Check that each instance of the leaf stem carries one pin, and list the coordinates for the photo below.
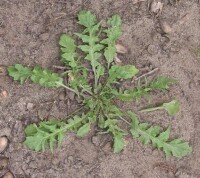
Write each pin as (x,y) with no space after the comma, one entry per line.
(87,90)
(125,120)
(152,109)
(68,88)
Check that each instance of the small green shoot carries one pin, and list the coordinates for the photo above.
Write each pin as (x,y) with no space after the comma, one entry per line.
(197,52)
(172,108)
(98,95)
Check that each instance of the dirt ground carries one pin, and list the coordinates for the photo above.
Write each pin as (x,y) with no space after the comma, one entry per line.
(29,33)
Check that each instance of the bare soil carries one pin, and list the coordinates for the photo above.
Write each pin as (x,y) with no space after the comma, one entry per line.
(29,33)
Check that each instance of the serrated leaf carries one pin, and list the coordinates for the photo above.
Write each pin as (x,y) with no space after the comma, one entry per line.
(51,143)
(60,138)
(30,129)
(100,70)
(45,77)
(68,43)
(162,83)
(118,143)
(109,53)
(87,19)
(152,134)
(68,49)
(48,133)
(84,48)
(180,148)
(87,38)
(18,72)
(114,21)
(122,72)
(83,130)
(113,32)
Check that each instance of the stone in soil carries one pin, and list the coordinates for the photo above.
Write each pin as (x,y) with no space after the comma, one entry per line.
(3,143)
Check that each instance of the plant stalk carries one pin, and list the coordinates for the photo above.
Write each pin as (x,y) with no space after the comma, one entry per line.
(151,109)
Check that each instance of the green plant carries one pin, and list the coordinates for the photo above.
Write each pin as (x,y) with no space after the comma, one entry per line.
(98,49)
(197,52)
(172,108)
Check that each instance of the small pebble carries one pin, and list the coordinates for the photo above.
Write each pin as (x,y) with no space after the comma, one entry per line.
(3,163)
(43,114)
(3,143)
(8,175)
(156,7)
(44,36)
(62,96)
(121,49)
(96,140)
(71,95)
(30,106)
(2,32)
(3,70)
(165,27)
(4,94)
(117,61)
(107,147)
(152,49)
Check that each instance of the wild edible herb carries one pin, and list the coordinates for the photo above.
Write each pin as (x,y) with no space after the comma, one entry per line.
(97,96)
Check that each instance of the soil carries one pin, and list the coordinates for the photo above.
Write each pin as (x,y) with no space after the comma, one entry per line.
(29,33)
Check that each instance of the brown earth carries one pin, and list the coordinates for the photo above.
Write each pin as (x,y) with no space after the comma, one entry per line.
(29,33)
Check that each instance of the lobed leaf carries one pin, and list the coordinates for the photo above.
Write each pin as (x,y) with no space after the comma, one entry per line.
(117,132)
(122,72)
(68,49)
(38,75)
(87,19)
(48,133)
(152,134)
(83,130)
(162,83)
(45,77)
(113,33)
(118,143)
(18,72)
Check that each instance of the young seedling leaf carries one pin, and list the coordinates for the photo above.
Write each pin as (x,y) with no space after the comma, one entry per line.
(118,143)
(20,73)
(122,72)
(31,130)
(113,33)
(83,130)
(172,108)
(45,77)
(87,19)
(68,49)
(162,83)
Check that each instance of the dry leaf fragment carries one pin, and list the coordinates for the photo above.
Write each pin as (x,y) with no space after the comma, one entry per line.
(71,76)
(121,49)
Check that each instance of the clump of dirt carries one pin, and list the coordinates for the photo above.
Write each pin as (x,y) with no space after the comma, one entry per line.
(29,33)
